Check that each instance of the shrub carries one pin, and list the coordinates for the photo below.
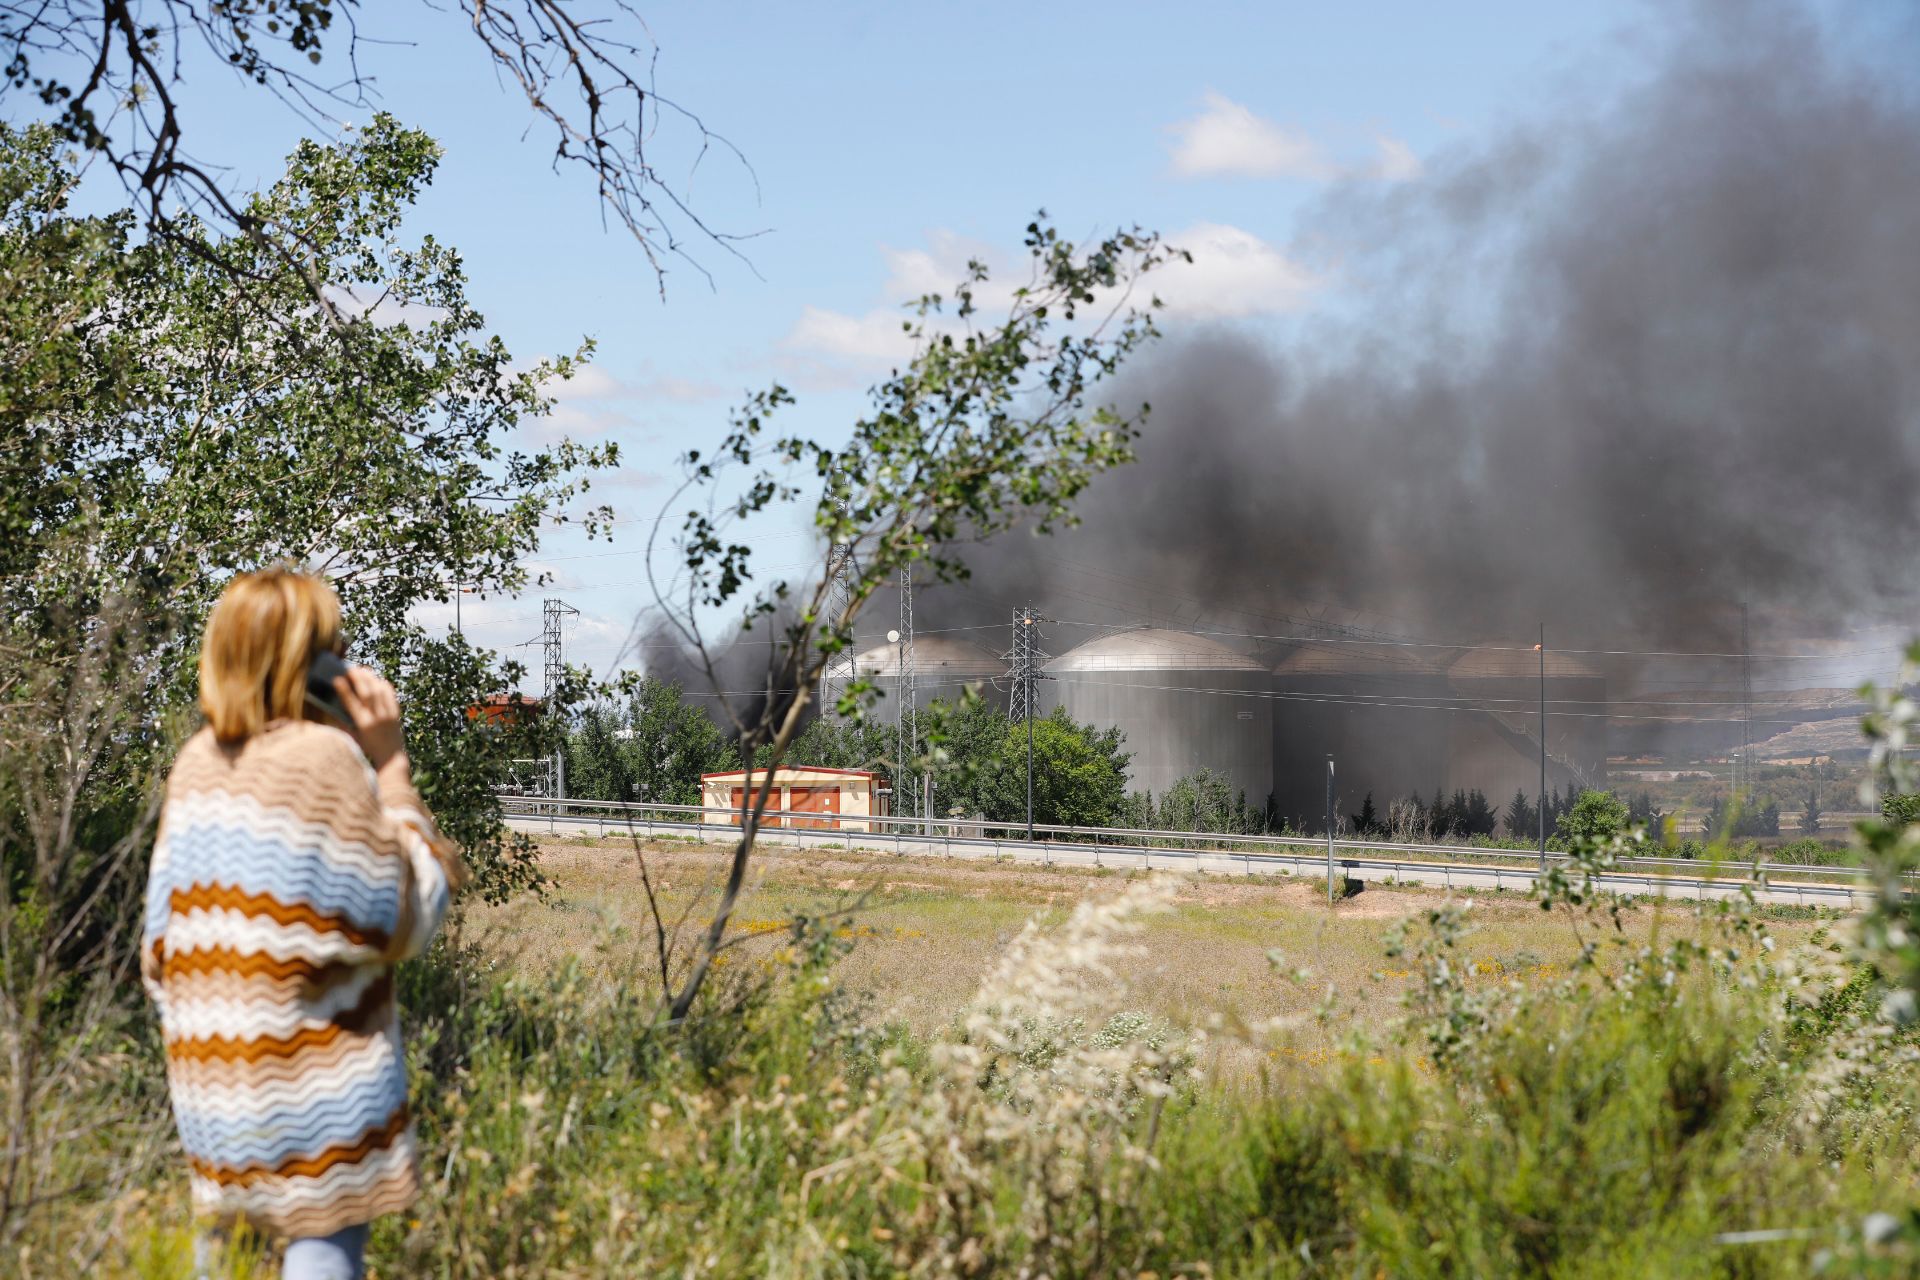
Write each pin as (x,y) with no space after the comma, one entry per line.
(1596,815)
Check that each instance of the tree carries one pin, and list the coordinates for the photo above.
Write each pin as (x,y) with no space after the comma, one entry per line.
(1811,813)
(650,747)
(1203,801)
(1641,813)
(966,746)
(1367,821)
(1900,808)
(1448,815)
(986,427)
(1522,818)
(178,411)
(109,79)
(1079,774)
(215,427)
(1593,815)
(1479,819)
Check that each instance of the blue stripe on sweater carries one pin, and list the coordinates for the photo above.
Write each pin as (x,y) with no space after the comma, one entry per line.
(276,1134)
(253,864)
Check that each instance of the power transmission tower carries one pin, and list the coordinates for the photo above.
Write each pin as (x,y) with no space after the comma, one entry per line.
(1026,659)
(838,672)
(553,643)
(907,685)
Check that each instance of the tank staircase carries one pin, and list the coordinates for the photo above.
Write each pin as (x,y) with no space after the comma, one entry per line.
(1525,740)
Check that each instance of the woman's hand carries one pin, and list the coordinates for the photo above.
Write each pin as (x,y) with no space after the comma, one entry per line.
(374,708)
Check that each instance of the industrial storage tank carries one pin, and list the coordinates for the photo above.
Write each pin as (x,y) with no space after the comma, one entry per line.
(1185,702)
(942,665)
(1499,745)
(1382,710)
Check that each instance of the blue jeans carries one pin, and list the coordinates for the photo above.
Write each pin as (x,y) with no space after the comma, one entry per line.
(334,1257)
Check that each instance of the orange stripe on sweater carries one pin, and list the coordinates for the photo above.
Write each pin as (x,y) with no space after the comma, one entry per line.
(208,961)
(307,1166)
(266,906)
(361,1017)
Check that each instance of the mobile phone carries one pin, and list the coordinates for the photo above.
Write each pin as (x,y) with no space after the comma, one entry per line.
(327,667)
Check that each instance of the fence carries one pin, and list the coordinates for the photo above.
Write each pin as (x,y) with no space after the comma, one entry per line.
(1467,865)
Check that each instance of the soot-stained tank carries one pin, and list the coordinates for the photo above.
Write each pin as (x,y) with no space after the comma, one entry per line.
(1185,702)
(1383,711)
(1497,748)
(942,665)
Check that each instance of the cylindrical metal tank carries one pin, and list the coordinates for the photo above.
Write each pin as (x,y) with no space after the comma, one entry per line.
(942,665)
(1497,749)
(1185,702)
(1381,710)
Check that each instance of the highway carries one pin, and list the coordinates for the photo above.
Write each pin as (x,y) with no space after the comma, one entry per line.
(1364,861)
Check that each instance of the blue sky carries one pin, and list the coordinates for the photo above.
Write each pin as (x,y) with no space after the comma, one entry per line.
(891,142)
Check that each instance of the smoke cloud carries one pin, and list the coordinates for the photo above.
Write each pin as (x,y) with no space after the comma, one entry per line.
(1643,357)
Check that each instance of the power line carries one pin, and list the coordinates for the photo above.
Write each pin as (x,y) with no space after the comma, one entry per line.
(1354,700)
(1484,648)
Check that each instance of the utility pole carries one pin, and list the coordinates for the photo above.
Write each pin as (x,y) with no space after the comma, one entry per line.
(1542,647)
(1329,830)
(1745,772)
(459,591)
(1026,658)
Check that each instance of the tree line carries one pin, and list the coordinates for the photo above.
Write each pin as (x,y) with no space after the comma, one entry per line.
(647,742)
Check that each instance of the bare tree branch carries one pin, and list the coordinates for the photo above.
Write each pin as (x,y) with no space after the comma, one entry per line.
(109,76)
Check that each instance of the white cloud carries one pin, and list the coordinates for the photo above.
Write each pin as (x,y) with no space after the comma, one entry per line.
(873,338)
(592,382)
(1227,139)
(1233,273)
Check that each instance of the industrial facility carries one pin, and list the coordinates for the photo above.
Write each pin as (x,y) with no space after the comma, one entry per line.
(1185,702)
(1398,717)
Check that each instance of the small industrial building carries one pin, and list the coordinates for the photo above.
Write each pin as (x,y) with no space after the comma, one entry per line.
(803,796)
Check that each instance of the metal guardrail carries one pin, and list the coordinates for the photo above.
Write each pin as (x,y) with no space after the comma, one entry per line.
(947,837)
(1133,837)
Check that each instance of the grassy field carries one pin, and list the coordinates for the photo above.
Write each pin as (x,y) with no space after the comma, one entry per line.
(925,931)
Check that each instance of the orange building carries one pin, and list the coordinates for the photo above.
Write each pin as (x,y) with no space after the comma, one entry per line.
(504,709)
(803,796)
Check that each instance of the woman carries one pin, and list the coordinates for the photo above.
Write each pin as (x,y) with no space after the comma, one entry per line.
(295,866)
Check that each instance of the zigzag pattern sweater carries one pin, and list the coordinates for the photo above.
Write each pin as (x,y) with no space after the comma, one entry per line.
(284,887)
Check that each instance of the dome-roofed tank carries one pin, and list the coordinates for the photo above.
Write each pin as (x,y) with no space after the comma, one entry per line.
(942,667)
(1185,702)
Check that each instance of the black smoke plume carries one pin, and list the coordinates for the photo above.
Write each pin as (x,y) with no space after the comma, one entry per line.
(1651,353)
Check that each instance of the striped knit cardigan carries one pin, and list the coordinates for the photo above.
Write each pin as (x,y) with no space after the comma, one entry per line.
(284,888)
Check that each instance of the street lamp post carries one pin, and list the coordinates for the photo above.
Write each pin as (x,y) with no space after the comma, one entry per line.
(1329,830)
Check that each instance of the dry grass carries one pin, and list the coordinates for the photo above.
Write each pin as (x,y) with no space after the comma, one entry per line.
(927,930)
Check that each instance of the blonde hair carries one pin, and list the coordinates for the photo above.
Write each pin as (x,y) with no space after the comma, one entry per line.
(263,634)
